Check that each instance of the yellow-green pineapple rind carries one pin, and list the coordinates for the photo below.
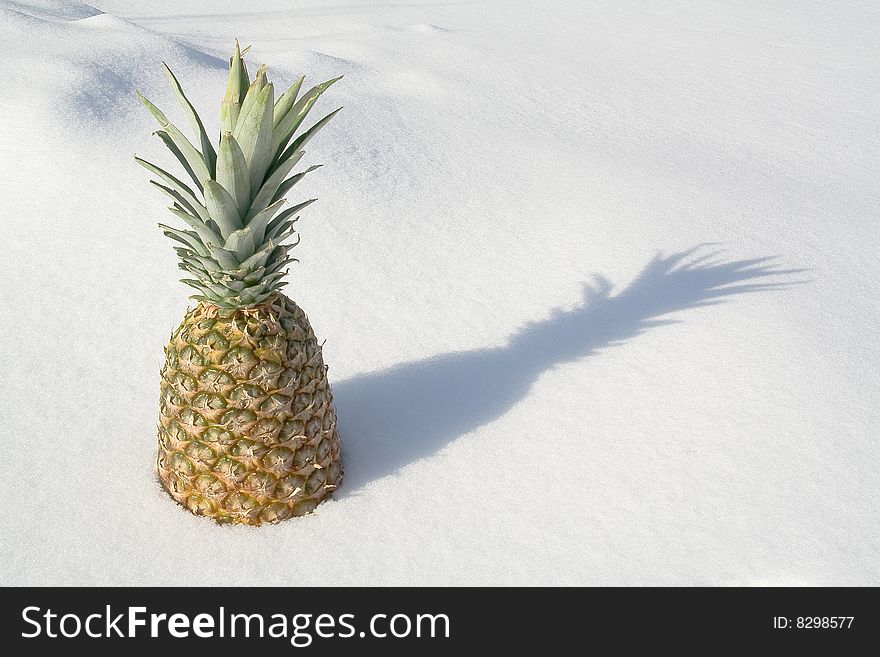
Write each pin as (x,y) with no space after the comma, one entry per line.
(247,429)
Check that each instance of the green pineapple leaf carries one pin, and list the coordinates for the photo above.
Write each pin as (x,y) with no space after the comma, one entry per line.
(276,267)
(173,182)
(267,192)
(255,276)
(204,232)
(296,115)
(187,237)
(194,161)
(195,208)
(273,231)
(259,222)
(236,88)
(166,139)
(232,172)
(224,258)
(288,184)
(299,143)
(252,92)
(222,208)
(259,258)
(208,153)
(241,242)
(254,134)
(283,104)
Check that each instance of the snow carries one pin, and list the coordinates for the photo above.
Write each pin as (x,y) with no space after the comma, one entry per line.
(598,283)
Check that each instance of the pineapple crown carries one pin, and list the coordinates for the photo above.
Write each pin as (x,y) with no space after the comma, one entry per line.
(234,246)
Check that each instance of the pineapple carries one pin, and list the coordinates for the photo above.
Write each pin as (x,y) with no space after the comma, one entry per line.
(247,427)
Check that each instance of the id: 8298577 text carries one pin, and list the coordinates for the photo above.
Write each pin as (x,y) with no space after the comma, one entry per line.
(813,622)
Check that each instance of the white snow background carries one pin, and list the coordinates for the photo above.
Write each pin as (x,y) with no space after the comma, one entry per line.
(598,283)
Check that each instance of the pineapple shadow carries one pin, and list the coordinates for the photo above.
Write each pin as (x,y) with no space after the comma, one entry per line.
(392,417)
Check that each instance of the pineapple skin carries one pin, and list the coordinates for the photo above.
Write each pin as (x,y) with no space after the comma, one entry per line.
(247,426)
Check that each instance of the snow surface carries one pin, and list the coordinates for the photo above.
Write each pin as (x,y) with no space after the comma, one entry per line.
(598,281)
